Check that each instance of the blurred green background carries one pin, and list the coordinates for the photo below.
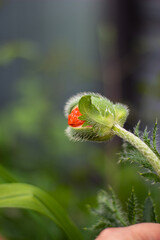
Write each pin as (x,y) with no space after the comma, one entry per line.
(49,51)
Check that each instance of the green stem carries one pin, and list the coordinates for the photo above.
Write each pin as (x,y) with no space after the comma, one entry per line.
(140,145)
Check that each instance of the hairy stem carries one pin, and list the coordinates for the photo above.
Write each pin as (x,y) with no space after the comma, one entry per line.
(140,145)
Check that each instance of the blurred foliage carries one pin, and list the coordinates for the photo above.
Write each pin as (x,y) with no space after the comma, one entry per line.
(17,49)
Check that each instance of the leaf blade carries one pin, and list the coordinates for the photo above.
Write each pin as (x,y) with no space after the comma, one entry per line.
(134,211)
(151,176)
(149,214)
(26,196)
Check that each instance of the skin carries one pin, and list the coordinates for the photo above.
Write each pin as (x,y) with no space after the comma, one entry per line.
(141,231)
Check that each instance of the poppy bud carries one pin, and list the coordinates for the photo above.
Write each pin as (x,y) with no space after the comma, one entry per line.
(92,116)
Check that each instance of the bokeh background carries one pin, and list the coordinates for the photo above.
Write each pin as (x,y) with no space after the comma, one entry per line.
(49,51)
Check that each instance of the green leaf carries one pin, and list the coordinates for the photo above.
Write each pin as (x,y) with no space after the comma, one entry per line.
(151,176)
(7,177)
(120,215)
(136,129)
(109,209)
(146,138)
(19,195)
(98,227)
(133,209)
(134,156)
(154,135)
(149,214)
(154,140)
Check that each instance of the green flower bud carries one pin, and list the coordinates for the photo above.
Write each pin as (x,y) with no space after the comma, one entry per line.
(92,117)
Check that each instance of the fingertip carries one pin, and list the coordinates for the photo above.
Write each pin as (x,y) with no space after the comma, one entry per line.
(141,231)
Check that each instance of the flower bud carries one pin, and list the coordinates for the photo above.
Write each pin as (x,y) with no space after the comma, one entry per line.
(92,117)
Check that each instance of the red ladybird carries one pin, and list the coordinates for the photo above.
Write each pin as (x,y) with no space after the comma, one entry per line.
(73,120)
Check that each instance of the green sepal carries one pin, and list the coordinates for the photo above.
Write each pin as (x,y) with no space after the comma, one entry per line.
(84,134)
(103,105)
(71,103)
(121,114)
(89,112)
(85,124)
(102,121)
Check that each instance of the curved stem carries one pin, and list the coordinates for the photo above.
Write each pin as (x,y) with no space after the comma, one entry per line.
(140,145)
